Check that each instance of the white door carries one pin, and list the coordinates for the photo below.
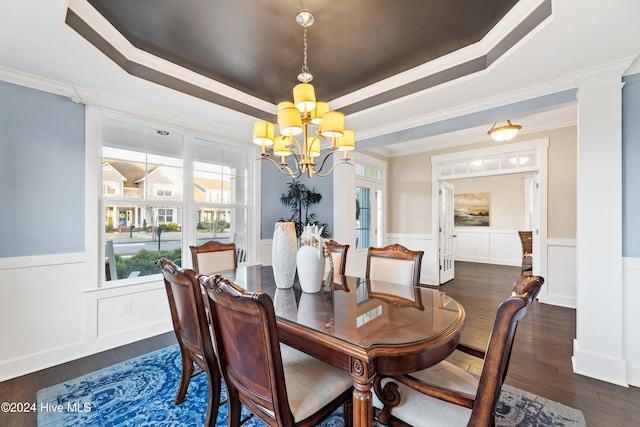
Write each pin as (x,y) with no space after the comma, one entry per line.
(446,236)
(532,216)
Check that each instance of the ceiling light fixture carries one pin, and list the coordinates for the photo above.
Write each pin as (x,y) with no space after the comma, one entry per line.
(295,118)
(504,133)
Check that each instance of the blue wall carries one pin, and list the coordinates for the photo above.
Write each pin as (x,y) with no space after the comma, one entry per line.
(41,173)
(274,184)
(631,166)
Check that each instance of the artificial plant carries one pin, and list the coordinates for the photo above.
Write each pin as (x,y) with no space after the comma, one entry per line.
(299,198)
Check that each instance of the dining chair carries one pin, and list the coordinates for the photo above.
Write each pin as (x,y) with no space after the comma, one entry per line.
(446,395)
(214,257)
(279,384)
(526,241)
(190,324)
(395,264)
(338,255)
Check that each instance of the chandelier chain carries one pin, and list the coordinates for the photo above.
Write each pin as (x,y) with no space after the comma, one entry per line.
(305,69)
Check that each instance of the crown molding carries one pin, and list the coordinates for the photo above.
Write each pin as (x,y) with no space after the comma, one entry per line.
(536,91)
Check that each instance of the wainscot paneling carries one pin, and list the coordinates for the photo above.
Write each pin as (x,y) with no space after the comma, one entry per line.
(487,245)
(631,338)
(51,316)
(560,279)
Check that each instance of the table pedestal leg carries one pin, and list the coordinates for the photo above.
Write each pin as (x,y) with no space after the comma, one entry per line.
(362,404)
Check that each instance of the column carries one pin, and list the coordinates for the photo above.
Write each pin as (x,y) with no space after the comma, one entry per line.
(598,347)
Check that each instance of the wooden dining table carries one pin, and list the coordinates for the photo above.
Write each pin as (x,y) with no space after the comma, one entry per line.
(365,327)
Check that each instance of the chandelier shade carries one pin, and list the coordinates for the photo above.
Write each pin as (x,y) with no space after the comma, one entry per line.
(289,121)
(281,146)
(263,133)
(347,141)
(317,114)
(332,124)
(320,129)
(304,97)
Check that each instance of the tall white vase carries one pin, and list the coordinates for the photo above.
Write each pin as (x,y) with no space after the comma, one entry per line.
(310,268)
(283,254)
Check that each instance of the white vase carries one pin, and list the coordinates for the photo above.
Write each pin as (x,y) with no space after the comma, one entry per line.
(283,254)
(310,262)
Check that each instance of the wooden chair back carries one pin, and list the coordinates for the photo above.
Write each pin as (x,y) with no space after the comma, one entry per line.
(339,254)
(395,264)
(251,360)
(498,353)
(191,327)
(526,241)
(249,348)
(454,387)
(214,257)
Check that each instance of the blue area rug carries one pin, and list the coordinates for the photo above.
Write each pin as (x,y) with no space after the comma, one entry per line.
(140,392)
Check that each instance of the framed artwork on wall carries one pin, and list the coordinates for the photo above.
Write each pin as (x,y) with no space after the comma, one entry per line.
(471,210)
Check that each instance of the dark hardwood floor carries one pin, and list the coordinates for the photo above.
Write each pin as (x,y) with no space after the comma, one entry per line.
(540,363)
(541,358)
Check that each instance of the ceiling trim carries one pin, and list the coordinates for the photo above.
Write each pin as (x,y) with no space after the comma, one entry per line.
(111,49)
(510,98)
(479,63)
(93,27)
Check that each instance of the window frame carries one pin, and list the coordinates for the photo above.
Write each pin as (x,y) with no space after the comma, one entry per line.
(95,231)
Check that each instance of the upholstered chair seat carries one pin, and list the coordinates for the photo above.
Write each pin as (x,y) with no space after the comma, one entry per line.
(415,404)
(311,383)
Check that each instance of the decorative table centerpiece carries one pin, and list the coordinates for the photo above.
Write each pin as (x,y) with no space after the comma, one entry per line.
(283,255)
(311,259)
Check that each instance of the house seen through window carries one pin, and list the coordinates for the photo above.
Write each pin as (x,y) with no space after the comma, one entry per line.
(145,196)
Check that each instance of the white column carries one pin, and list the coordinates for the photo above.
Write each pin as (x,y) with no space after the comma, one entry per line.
(598,347)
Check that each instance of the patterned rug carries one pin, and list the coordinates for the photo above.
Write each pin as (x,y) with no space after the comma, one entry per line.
(140,392)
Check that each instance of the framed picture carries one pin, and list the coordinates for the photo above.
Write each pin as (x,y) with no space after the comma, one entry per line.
(471,210)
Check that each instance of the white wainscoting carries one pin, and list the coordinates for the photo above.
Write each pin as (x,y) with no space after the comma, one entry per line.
(631,295)
(51,317)
(560,287)
(487,245)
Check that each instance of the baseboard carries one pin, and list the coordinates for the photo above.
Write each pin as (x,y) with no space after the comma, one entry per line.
(484,260)
(633,375)
(55,356)
(562,301)
(598,366)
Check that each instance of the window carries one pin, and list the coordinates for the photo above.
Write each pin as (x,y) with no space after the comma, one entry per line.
(146,192)
(363,217)
(220,192)
(163,190)
(110,188)
(369,203)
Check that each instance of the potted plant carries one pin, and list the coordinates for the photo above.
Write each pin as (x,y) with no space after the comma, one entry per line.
(299,198)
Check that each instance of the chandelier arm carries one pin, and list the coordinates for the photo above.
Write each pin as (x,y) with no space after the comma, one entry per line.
(300,150)
(343,162)
(286,170)
(324,160)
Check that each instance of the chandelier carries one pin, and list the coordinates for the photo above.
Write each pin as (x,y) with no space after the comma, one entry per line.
(504,133)
(307,127)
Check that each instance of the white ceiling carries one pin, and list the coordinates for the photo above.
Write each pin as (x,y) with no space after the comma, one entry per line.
(39,50)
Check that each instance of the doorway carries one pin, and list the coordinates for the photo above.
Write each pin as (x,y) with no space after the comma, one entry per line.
(525,157)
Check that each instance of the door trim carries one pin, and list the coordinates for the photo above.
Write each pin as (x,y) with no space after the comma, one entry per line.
(540,146)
